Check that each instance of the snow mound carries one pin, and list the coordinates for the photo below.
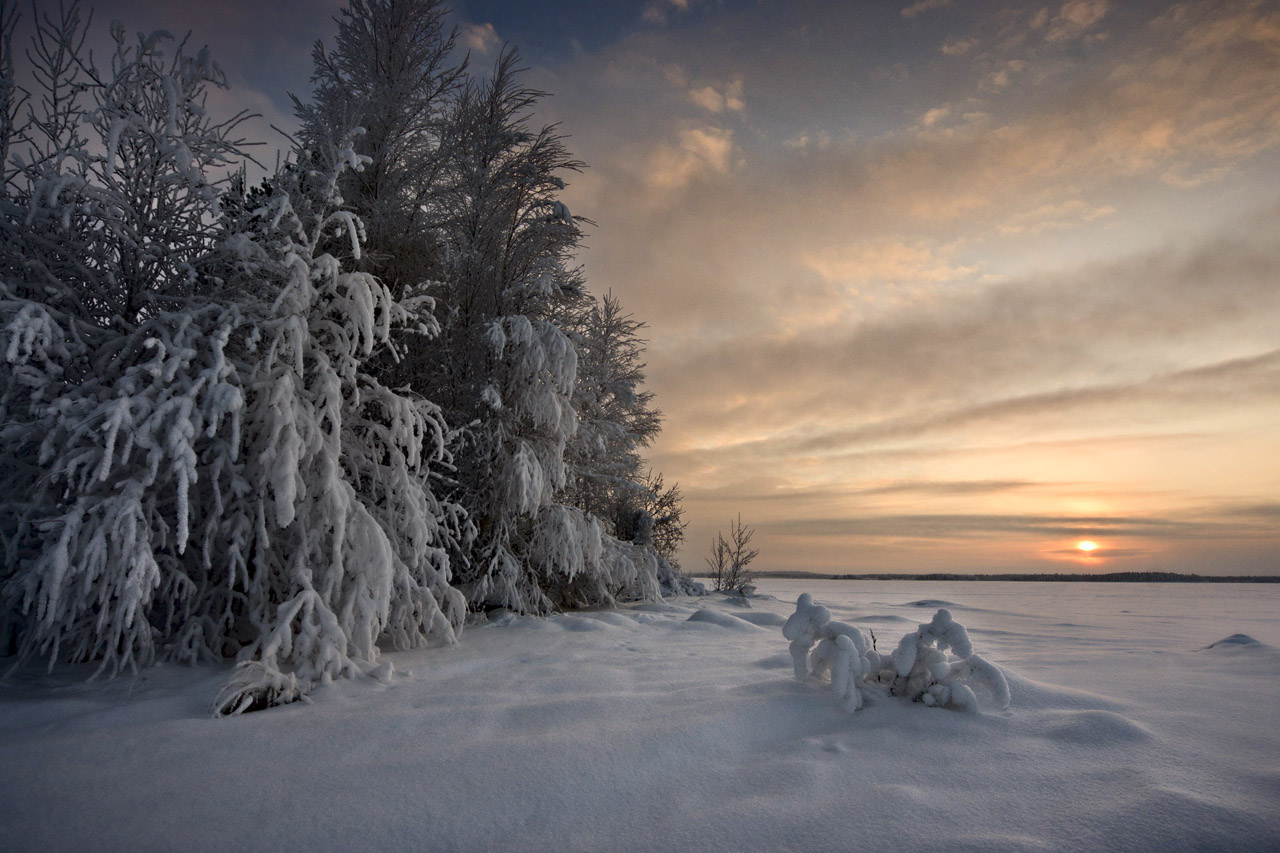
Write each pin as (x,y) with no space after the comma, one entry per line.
(1234,640)
(721,620)
(764,619)
(1038,696)
(1093,728)
(580,623)
(659,607)
(610,617)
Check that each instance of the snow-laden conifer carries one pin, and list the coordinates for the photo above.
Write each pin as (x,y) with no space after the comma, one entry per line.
(616,421)
(390,71)
(460,199)
(512,367)
(120,403)
(197,462)
(349,545)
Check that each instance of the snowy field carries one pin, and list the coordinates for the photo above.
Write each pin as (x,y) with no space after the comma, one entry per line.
(639,729)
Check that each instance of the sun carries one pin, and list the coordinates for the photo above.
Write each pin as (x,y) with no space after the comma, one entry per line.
(1087,546)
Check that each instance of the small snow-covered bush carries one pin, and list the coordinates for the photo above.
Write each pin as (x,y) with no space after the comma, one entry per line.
(922,671)
(919,669)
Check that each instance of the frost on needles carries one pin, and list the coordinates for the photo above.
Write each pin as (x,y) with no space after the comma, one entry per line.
(919,669)
(298,423)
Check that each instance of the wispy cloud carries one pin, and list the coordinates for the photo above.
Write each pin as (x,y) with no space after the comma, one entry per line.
(659,11)
(921,6)
(1075,18)
(719,99)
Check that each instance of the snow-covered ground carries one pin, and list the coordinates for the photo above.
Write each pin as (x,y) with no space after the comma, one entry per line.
(643,729)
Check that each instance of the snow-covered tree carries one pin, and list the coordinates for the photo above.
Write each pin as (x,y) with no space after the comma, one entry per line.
(616,419)
(118,402)
(459,198)
(390,73)
(347,543)
(511,368)
(199,463)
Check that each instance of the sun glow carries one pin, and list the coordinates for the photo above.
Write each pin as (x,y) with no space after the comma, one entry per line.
(1087,546)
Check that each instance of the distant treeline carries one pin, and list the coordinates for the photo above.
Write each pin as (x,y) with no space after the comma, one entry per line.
(1109,577)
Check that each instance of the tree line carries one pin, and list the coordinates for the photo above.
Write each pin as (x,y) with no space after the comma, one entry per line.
(296,421)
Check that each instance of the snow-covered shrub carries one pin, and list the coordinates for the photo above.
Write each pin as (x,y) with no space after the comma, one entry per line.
(842,650)
(919,669)
(922,671)
(673,582)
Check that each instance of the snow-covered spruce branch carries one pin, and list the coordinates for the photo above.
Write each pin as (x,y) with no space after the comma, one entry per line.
(919,669)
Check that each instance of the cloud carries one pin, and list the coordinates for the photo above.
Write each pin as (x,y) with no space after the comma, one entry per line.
(1075,18)
(1056,217)
(1004,76)
(658,11)
(968,487)
(1101,554)
(921,6)
(699,150)
(883,261)
(958,47)
(1083,357)
(481,38)
(952,526)
(1256,378)
(728,97)
(935,115)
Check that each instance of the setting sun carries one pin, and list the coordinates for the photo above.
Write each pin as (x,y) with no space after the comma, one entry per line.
(1087,546)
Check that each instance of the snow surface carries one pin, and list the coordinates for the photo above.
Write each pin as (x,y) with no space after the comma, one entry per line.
(1142,717)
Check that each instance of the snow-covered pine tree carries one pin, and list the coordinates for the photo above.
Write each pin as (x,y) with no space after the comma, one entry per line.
(195,461)
(343,542)
(510,367)
(616,420)
(390,73)
(385,85)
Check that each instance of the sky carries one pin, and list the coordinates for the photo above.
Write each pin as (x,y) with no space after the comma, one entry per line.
(931,286)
